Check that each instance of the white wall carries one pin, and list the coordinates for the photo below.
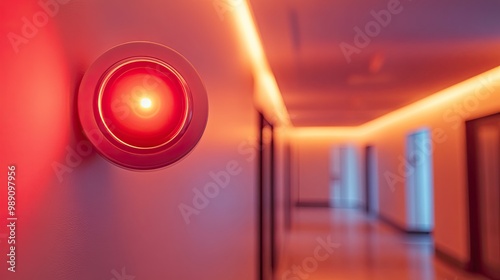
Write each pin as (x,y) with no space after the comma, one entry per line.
(445,119)
(100,218)
(311,164)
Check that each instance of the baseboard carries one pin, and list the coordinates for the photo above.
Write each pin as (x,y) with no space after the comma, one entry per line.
(319,204)
(401,228)
(451,260)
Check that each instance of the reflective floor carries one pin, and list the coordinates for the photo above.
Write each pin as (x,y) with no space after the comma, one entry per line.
(346,244)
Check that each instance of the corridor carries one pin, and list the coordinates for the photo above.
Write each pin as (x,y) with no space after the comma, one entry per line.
(366,249)
(243,140)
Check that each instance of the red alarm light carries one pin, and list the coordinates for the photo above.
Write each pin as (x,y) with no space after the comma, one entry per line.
(146,103)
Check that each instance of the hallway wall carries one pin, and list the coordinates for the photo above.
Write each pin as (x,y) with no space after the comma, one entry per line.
(445,119)
(311,165)
(444,115)
(83,218)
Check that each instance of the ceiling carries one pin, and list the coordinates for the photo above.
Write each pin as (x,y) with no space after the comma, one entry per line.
(424,47)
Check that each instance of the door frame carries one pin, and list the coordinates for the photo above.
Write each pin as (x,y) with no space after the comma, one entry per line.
(261,207)
(371,206)
(475,257)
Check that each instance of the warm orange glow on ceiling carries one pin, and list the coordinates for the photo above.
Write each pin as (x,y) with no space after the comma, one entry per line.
(447,96)
(326,132)
(267,96)
(485,81)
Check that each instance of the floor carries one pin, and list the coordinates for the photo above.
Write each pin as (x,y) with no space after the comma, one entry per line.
(346,244)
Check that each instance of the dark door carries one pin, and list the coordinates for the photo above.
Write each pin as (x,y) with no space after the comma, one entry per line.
(483,160)
(266,208)
(371,181)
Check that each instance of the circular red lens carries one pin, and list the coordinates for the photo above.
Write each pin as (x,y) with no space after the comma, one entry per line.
(144,104)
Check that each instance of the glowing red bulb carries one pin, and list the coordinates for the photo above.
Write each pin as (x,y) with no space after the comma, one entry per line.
(146,103)
(137,105)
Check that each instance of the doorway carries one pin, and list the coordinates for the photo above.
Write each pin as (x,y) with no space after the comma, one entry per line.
(483,167)
(419,182)
(344,177)
(266,201)
(371,181)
